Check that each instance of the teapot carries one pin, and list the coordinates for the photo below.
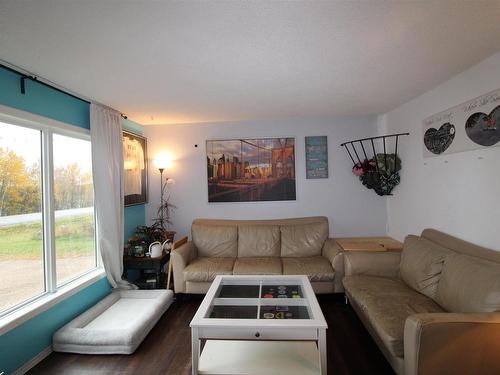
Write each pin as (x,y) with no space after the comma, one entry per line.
(156,248)
(167,245)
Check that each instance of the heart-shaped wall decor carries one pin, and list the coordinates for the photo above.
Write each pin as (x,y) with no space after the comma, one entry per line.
(437,141)
(484,129)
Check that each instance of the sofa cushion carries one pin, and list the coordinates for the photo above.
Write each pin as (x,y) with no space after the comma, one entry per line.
(257,266)
(421,264)
(258,241)
(385,304)
(305,240)
(205,269)
(317,268)
(469,284)
(215,240)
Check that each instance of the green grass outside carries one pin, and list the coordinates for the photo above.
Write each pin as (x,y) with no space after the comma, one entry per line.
(74,237)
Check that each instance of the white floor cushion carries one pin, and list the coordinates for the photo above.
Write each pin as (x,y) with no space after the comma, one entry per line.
(115,325)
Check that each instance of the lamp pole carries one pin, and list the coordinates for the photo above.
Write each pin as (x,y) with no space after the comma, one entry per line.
(161,199)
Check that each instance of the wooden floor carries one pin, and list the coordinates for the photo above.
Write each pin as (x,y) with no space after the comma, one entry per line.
(167,349)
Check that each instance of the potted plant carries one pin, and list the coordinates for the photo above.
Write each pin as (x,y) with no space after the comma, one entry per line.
(150,234)
(164,212)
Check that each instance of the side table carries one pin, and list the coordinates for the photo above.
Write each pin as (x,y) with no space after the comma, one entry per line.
(176,245)
(369,244)
(147,266)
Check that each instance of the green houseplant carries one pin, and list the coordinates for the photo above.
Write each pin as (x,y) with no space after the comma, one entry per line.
(158,231)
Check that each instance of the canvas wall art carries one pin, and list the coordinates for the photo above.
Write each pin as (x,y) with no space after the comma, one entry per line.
(316,157)
(251,170)
(135,169)
(468,126)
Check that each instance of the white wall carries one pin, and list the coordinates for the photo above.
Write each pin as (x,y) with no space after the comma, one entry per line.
(351,208)
(457,193)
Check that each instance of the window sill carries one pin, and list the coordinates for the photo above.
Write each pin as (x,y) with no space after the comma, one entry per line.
(45,302)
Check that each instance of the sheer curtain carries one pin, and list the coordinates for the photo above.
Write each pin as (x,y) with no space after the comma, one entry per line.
(107,169)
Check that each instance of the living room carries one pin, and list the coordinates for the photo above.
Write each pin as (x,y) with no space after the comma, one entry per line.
(330,150)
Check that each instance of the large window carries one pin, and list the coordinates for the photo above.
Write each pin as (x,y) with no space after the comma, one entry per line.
(74,205)
(47,226)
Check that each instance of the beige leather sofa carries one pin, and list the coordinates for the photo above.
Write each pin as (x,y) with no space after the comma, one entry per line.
(258,247)
(434,308)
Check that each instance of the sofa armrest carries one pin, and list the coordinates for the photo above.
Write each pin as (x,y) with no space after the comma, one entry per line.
(180,258)
(333,252)
(331,249)
(371,263)
(451,343)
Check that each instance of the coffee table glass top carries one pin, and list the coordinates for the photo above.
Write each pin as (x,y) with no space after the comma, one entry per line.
(259,291)
(260,298)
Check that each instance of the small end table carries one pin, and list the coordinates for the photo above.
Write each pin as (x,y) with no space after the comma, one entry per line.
(369,244)
(153,265)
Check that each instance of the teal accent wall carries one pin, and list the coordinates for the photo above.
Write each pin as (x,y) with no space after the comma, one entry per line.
(42,100)
(24,342)
(134,216)
(132,126)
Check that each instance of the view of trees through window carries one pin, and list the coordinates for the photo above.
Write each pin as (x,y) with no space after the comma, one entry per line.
(21,226)
(21,230)
(74,201)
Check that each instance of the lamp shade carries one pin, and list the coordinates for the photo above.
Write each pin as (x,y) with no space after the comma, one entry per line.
(162,161)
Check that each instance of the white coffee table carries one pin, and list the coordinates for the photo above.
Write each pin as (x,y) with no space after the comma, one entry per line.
(259,308)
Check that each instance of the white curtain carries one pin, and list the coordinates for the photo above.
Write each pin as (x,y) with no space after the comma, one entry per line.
(107,169)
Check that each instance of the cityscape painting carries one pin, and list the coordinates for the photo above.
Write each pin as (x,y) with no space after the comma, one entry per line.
(251,170)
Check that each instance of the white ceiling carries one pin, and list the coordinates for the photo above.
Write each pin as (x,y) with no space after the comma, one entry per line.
(172,62)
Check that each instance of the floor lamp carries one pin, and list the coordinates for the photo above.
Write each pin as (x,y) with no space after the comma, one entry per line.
(162,163)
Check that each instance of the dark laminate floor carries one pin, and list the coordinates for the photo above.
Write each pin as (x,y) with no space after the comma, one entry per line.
(167,349)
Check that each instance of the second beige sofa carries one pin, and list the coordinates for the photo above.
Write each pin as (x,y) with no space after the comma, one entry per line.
(258,247)
(434,308)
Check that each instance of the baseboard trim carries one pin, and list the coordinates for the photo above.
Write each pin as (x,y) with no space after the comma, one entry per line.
(33,361)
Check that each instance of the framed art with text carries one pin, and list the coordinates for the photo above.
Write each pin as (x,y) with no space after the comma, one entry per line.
(135,169)
(317,157)
(251,170)
(472,125)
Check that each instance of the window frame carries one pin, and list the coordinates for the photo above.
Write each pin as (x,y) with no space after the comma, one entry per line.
(53,293)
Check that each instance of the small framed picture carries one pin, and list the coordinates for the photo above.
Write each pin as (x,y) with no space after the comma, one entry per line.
(136,169)
(316,157)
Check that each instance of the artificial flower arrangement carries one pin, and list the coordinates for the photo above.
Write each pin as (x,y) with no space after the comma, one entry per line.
(380,173)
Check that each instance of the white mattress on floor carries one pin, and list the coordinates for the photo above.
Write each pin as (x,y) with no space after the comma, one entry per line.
(115,325)
(122,314)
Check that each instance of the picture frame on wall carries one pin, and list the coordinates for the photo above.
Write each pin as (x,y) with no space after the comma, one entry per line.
(251,169)
(135,175)
(472,125)
(316,157)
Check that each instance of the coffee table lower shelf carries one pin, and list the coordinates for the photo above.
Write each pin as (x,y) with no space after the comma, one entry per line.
(229,357)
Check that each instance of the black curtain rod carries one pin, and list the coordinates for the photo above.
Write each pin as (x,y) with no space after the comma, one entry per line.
(24,77)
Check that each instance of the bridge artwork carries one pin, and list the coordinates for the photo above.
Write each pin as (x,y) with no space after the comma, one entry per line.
(249,170)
